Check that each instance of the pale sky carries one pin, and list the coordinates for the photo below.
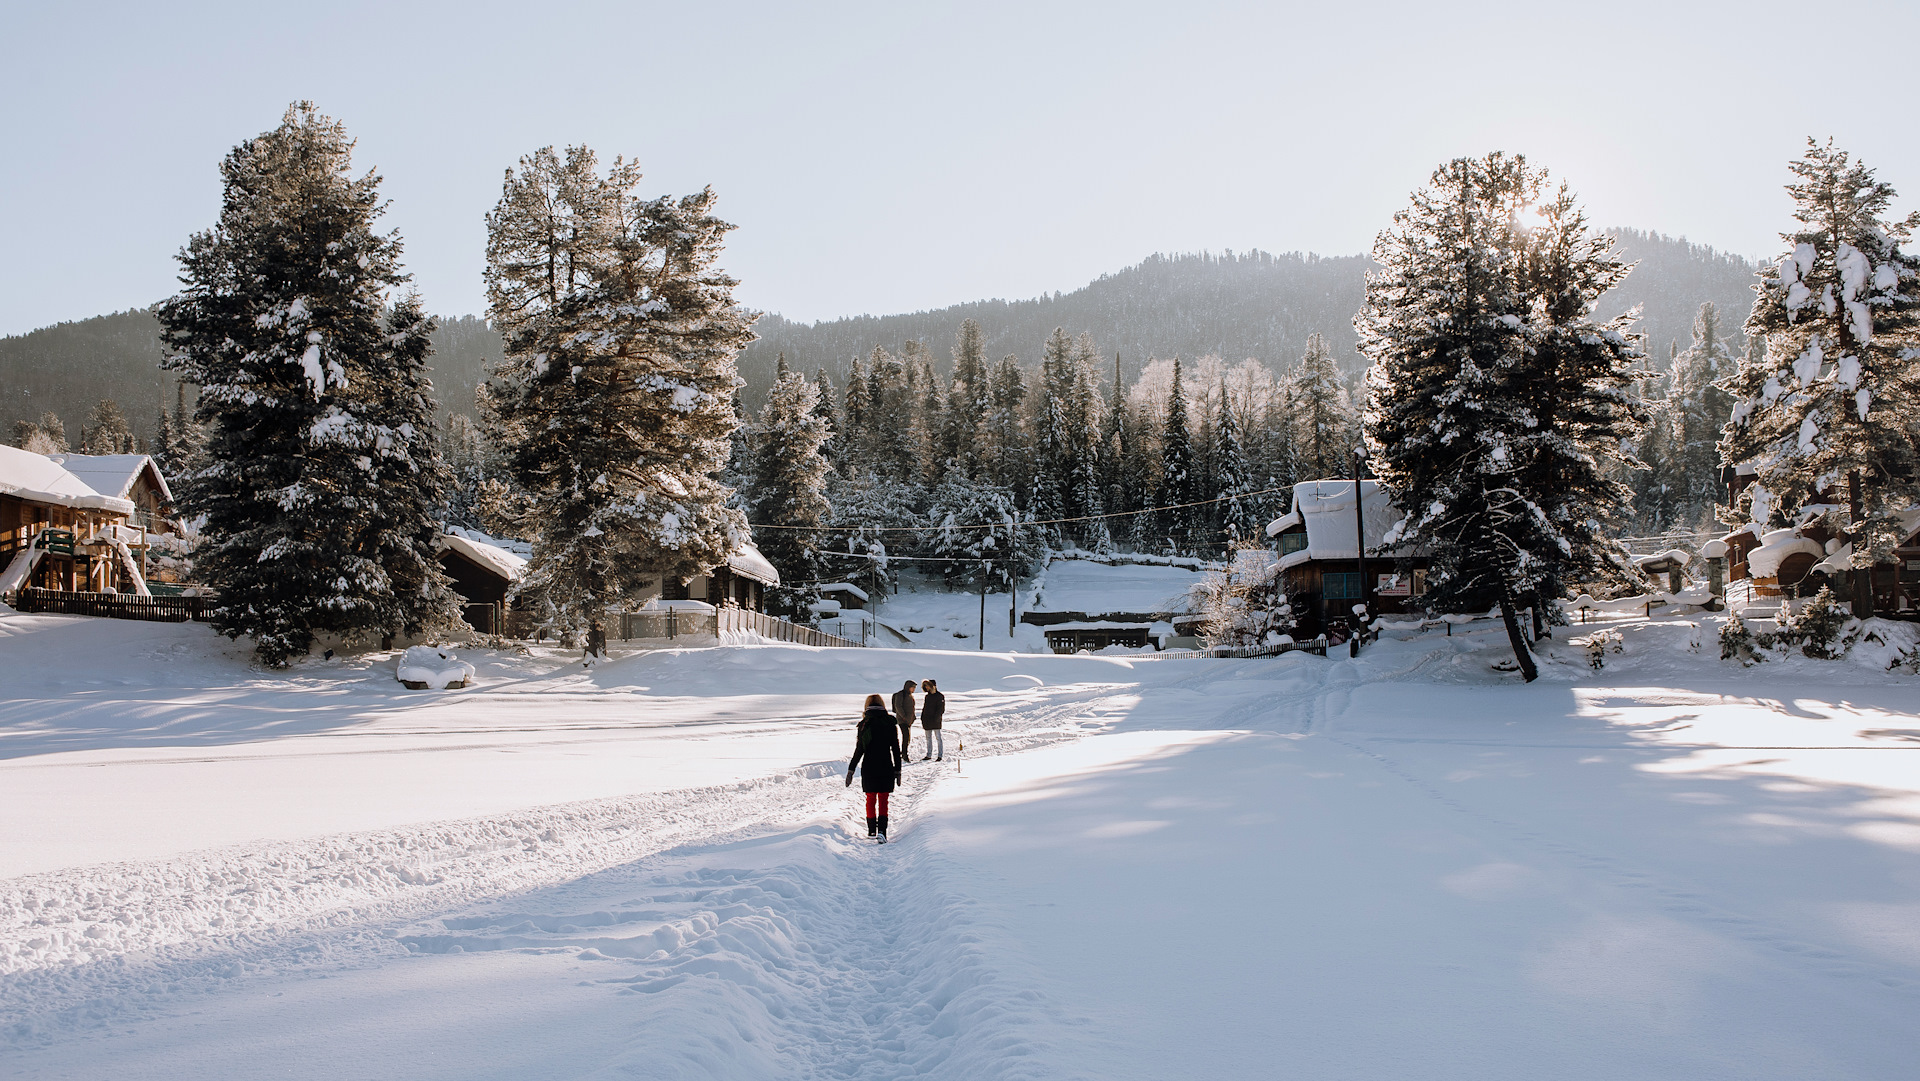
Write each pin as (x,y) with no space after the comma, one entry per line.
(892,157)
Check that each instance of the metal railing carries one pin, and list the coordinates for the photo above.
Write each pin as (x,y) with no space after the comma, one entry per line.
(674,624)
(1315,646)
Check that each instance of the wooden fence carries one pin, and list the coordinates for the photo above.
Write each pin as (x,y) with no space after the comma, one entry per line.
(114,605)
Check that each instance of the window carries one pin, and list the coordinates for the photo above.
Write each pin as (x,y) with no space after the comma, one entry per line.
(1340,585)
(1293,542)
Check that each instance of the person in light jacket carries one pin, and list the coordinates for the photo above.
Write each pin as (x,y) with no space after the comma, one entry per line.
(877,755)
(903,709)
(933,710)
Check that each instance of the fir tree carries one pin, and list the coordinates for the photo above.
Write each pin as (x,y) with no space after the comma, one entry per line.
(968,401)
(1238,517)
(1689,420)
(1004,437)
(1325,425)
(827,410)
(1176,474)
(849,450)
(1498,406)
(790,477)
(107,430)
(52,433)
(322,490)
(612,407)
(1825,415)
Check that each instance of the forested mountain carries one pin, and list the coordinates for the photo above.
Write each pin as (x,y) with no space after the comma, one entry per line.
(1235,305)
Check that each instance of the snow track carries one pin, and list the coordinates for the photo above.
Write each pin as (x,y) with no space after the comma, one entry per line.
(119,942)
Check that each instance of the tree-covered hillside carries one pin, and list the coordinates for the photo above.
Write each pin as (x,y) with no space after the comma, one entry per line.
(1235,305)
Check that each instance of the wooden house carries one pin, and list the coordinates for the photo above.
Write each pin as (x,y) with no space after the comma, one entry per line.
(482,574)
(1319,554)
(58,532)
(1768,569)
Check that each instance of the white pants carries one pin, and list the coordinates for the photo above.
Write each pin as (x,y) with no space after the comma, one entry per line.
(936,737)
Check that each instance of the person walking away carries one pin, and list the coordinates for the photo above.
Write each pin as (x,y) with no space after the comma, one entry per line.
(903,709)
(933,710)
(876,753)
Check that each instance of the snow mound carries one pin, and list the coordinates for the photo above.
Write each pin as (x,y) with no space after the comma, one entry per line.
(432,668)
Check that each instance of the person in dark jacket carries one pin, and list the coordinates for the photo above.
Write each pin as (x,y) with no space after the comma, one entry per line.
(933,710)
(876,753)
(903,709)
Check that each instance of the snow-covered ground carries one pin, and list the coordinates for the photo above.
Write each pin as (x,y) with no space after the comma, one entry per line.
(1402,866)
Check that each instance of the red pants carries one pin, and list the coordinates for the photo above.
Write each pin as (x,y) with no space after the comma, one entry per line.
(880,796)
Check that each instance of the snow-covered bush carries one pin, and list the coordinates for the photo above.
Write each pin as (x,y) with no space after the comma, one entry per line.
(1246,607)
(1822,629)
(1737,641)
(1601,643)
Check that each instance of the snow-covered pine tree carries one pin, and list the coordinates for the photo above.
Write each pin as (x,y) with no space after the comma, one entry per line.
(850,448)
(53,434)
(106,430)
(970,520)
(790,478)
(1053,435)
(1825,416)
(929,419)
(969,400)
(322,491)
(1085,420)
(1325,426)
(890,409)
(1003,439)
(1695,410)
(1497,405)
(828,410)
(612,408)
(1238,517)
(1177,482)
(868,514)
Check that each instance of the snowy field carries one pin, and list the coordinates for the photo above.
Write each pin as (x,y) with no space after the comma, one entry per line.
(1404,866)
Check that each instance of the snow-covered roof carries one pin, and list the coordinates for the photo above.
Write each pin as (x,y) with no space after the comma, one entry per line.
(747,562)
(1325,508)
(1676,556)
(39,479)
(843,587)
(113,474)
(491,557)
(1775,547)
(1100,625)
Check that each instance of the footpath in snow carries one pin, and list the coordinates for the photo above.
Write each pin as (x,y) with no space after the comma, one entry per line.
(1403,866)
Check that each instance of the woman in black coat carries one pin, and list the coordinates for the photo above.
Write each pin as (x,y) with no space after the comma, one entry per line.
(876,753)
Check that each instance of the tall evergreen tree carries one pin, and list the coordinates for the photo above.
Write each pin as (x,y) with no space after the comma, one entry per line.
(790,477)
(968,400)
(1690,418)
(1003,438)
(1238,515)
(1826,415)
(850,449)
(322,490)
(1176,476)
(107,430)
(1325,424)
(1498,405)
(828,410)
(612,407)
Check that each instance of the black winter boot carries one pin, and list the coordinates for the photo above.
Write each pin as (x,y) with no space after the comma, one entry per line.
(872,825)
(883,829)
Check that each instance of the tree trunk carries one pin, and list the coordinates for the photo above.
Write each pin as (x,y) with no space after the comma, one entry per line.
(1514,636)
(1862,576)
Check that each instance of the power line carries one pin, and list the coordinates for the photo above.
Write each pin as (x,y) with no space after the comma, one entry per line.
(1004,525)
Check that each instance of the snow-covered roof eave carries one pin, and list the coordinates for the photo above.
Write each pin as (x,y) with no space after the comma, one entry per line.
(1285,522)
(747,562)
(38,478)
(498,560)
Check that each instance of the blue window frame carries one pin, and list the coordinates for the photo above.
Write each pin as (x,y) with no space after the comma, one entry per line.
(1340,585)
(1293,542)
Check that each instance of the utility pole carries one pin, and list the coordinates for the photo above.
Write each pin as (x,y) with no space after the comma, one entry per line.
(983,603)
(1360,541)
